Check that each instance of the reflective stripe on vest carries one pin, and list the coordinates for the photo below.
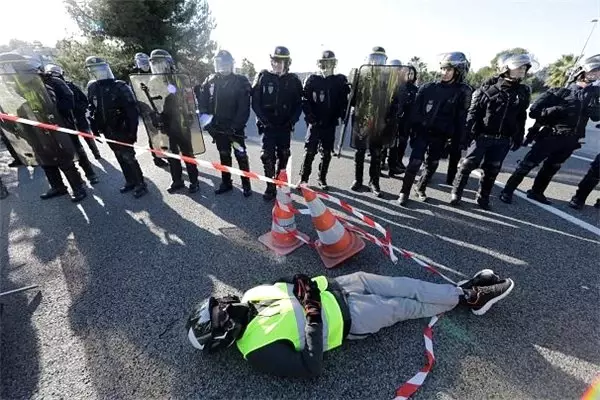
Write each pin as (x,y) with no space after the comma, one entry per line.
(281,317)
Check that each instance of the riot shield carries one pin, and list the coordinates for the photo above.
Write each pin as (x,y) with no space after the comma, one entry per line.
(373,121)
(25,95)
(168,109)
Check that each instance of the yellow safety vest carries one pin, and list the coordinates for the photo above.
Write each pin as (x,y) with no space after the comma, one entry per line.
(281,317)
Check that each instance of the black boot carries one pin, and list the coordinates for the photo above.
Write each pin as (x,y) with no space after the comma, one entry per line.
(175,187)
(140,190)
(407,183)
(79,194)
(54,192)
(541,182)
(323,169)
(244,165)
(271,191)
(75,182)
(513,182)
(483,201)
(459,186)
(194,187)
(225,186)
(539,197)
(359,167)
(246,187)
(306,167)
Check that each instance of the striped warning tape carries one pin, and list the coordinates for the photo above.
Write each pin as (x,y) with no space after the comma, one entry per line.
(208,165)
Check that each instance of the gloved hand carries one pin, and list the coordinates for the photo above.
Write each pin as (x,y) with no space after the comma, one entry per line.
(312,303)
(301,282)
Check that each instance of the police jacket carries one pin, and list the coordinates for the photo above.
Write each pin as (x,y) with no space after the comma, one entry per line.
(566,111)
(288,345)
(64,99)
(113,109)
(325,99)
(402,105)
(227,98)
(277,100)
(81,106)
(499,108)
(441,110)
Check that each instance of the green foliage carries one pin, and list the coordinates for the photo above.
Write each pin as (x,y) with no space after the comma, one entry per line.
(558,71)
(248,69)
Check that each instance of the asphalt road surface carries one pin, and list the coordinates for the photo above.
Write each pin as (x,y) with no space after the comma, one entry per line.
(118,276)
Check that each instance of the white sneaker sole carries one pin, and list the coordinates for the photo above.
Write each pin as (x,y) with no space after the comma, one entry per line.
(490,303)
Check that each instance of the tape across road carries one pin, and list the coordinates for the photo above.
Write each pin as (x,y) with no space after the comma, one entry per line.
(404,391)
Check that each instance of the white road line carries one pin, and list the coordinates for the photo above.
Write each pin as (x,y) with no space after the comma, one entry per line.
(582,224)
(582,158)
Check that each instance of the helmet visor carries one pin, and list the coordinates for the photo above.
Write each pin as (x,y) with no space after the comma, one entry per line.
(327,65)
(223,65)
(100,71)
(516,61)
(376,59)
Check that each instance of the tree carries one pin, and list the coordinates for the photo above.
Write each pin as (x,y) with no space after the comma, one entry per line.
(181,27)
(419,65)
(559,70)
(248,69)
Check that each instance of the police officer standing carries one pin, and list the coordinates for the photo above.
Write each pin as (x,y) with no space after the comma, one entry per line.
(439,115)
(563,114)
(79,121)
(324,102)
(386,151)
(496,122)
(224,99)
(142,66)
(277,103)
(402,104)
(114,113)
(376,57)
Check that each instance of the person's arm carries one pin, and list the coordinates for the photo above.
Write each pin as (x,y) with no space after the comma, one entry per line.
(594,105)
(92,110)
(243,106)
(344,94)
(474,115)
(542,107)
(131,110)
(297,99)
(307,105)
(203,97)
(518,136)
(463,106)
(416,116)
(257,100)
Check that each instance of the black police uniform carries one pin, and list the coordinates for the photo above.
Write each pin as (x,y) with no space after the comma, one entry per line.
(587,184)
(64,100)
(563,114)
(114,112)
(277,103)
(439,115)
(81,121)
(324,102)
(401,109)
(227,99)
(496,122)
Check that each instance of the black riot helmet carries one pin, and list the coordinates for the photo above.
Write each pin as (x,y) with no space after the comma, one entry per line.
(54,70)
(377,56)
(161,62)
(142,61)
(281,60)
(98,68)
(459,62)
(588,70)
(223,62)
(514,67)
(211,327)
(327,63)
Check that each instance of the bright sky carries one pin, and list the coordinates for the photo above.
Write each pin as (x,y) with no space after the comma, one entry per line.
(252,28)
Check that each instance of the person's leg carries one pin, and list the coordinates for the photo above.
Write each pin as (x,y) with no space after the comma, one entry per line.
(587,184)
(471,161)
(326,149)
(310,151)
(539,151)
(192,169)
(492,165)
(359,166)
(419,147)
(398,286)
(550,167)
(268,158)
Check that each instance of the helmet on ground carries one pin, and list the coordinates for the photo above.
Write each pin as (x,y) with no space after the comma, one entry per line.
(210,327)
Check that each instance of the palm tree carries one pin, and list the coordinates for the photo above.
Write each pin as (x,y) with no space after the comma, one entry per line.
(419,65)
(559,70)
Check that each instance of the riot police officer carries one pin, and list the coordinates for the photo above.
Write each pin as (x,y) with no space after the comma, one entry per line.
(376,57)
(277,103)
(224,98)
(385,152)
(496,124)
(324,102)
(586,185)
(563,114)
(401,108)
(80,122)
(47,99)
(114,113)
(439,116)
(142,66)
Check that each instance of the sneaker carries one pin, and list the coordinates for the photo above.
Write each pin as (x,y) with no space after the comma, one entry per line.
(421,195)
(322,184)
(506,197)
(539,197)
(79,195)
(375,189)
(484,297)
(485,277)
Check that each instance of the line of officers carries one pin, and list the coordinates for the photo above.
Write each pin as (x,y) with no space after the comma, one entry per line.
(438,119)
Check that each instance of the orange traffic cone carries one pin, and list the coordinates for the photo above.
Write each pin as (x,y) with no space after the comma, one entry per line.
(284,237)
(335,243)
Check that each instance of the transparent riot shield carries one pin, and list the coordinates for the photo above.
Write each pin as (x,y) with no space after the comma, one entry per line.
(168,109)
(25,95)
(373,120)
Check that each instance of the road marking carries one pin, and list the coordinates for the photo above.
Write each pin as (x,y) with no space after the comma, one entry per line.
(582,224)
(582,158)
